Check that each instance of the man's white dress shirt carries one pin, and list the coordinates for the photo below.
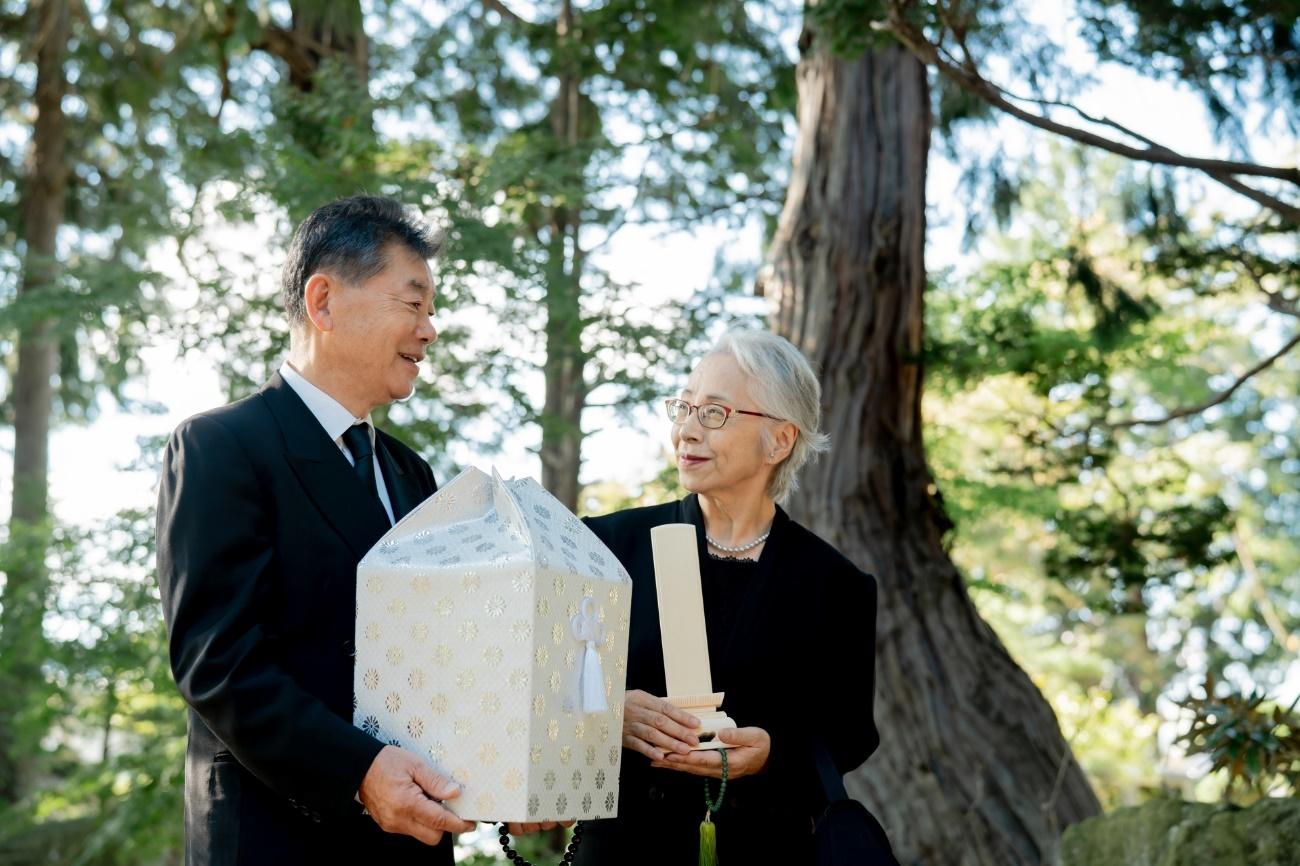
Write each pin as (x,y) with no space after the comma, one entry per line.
(336,420)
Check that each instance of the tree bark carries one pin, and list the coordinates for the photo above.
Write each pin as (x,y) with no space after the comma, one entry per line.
(972,768)
(564,374)
(22,639)
(564,369)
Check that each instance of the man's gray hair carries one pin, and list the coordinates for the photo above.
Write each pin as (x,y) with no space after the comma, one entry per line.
(784,384)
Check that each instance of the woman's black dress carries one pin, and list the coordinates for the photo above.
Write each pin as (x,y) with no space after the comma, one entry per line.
(792,645)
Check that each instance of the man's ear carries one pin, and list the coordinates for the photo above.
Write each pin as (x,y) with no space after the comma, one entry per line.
(316,296)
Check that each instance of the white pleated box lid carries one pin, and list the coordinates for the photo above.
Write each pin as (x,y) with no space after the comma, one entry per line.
(491,640)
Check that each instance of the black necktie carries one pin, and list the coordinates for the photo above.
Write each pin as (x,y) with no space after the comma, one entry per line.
(357,439)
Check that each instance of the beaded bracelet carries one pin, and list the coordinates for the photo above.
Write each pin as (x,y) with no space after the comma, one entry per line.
(515,857)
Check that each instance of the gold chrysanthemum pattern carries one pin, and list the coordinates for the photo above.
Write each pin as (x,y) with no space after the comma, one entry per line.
(465,653)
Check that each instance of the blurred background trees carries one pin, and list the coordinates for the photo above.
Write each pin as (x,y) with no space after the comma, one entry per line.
(1084,385)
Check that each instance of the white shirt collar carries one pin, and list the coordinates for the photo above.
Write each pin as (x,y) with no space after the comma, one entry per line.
(329,412)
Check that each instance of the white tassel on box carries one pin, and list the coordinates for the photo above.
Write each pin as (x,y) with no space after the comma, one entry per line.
(591,683)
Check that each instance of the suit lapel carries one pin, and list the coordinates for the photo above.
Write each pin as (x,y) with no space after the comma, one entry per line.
(330,482)
(402,492)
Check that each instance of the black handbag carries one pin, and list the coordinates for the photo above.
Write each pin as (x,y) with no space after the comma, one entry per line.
(846,833)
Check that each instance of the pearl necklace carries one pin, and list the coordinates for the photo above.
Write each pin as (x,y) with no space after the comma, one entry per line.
(742,548)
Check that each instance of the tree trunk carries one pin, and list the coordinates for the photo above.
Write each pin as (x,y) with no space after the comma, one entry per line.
(564,369)
(972,767)
(566,388)
(22,639)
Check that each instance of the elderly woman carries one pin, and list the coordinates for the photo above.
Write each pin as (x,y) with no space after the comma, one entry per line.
(790,624)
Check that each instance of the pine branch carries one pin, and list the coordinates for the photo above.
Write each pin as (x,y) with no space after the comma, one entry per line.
(1224,177)
(1283,209)
(967,76)
(1218,398)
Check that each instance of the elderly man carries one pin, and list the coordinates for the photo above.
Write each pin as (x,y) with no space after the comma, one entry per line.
(265,507)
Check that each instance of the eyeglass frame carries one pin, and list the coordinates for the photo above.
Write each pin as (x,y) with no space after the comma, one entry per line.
(695,407)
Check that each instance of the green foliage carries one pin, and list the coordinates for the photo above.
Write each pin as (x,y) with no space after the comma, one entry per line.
(128,94)
(605,498)
(680,110)
(1254,741)
(679,117)
(111,722)
(1242,55)
(1110,556)
(1133,549)
(23,646)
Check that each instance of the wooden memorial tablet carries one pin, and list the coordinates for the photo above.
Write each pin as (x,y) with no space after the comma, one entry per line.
(681,624)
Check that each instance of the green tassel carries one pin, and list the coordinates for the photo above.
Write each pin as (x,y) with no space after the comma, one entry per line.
(708,830)
(708,841)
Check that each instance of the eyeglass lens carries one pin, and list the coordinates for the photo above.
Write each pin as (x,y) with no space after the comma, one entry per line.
(711,414)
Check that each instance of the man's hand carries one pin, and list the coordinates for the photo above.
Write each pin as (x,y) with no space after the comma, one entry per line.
(403,795)
(655,728)
(749,755)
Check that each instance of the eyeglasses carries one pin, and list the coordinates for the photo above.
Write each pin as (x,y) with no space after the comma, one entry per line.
(711,415)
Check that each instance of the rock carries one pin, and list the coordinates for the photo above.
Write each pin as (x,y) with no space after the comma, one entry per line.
(1174,833)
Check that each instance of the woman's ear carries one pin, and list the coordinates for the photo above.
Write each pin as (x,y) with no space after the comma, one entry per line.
(783,439)
(316,297)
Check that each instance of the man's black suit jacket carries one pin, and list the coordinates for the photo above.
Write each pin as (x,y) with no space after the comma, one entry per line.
(799,662)
(261,523)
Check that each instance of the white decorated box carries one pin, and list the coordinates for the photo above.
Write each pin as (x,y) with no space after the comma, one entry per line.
(491,640)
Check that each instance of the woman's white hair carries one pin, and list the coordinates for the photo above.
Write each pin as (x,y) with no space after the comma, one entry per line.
(784,384)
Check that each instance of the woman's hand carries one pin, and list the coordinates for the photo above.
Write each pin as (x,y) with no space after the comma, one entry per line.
(751,746)
(656,728)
